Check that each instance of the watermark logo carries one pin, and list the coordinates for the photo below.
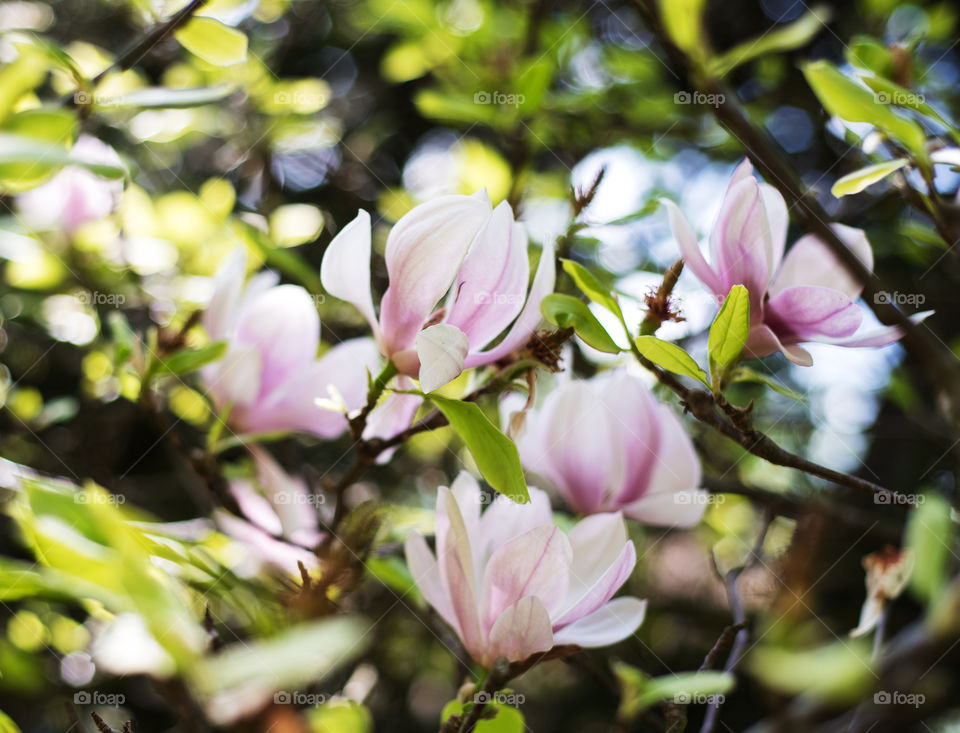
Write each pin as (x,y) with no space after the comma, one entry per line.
(888,497)
(713,100)
(698,498)
(297,499)
(501,99)
(897,298)
(485,297)
(94,697)
(698,698)
(87,497)
(900,98)
(114,300)
(895,697)
(513,699)
(318,298)
(300,99)
(295,697)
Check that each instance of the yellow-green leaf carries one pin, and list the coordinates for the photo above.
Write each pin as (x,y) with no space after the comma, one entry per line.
(671,357)
(214,42)
(729,330)
(858,180)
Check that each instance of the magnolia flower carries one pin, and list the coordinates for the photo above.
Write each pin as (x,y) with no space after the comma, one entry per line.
(281,518)
(270,374)
(608,445)
(511,584)
(454,246)
(74,195)
(806,296)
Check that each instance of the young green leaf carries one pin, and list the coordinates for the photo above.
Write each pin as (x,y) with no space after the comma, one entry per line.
(212,41)
(641,692)
(188,360)
(848,100)
(671,357)
(172,98)
(930,533)
(746,374)
(683,22)
(565,311)
(591,287)
(865,177)
(495,454)
(729,330)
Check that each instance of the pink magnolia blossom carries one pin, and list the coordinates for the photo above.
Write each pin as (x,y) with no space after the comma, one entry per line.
(807,295)
(75,195)
(511,584)
(456,248)
(608,445)
(271,374)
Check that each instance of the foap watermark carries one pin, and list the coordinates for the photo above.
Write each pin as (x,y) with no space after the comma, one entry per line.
(699,498)
(86,497)
(888,497)
(83,98)
(895,697)
(900,98)
(299,499)
(318,298)
(713,100)
(300,99)
(95,297)
(698,698)
(295,697)
(513,699)
(485,297)
(95,697)
(882,297)
(501,99)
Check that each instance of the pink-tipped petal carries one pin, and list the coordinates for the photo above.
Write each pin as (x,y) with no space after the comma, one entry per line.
(597,589)
(441,350)
(741,245)
(457,570)
(811,262)
(425,249)
(808,312)
(690,249)
(875,336)
(616,621)
(345,269)
(530,317)
(426,576)
(779,220)
(674,509)
(520,631)
(492,283)
(504,521)
(534,564)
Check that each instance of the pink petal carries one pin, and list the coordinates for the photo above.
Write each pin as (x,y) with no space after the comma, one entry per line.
(629,402)
(520,631)
(669,509)
(597,541)
(235,379)
(441,350)
(811,262)
(283,324)
(492,283)
(530,317)
(457,570)
(255,507)
(741,244)
(537,563)
(805,313)
(876,336)
(689,248)
(504,521)
(596,589)
(779,221)
(288,496)
(345,269)
(762,341)
(426,575)
(614,622)
(424,252)
(221,311)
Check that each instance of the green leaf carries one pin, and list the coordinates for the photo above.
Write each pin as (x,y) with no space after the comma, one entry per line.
(188,360)
(640,692)
(565,311)
(848,100)
(671,357)
(683,22)
(784,38)
(16,149)
(746,374)
(495,454)
(212,41)
(930,533)
(19,77)
(170,98)
(292,660)
(902,97)
(506,720)
(7,725)
(729,330)
(838,672)
(123,337)
(858,180)
(339,716)
(592,287)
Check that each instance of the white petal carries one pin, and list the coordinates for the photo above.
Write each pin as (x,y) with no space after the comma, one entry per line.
(345,270)
(614,622)
(442,349)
